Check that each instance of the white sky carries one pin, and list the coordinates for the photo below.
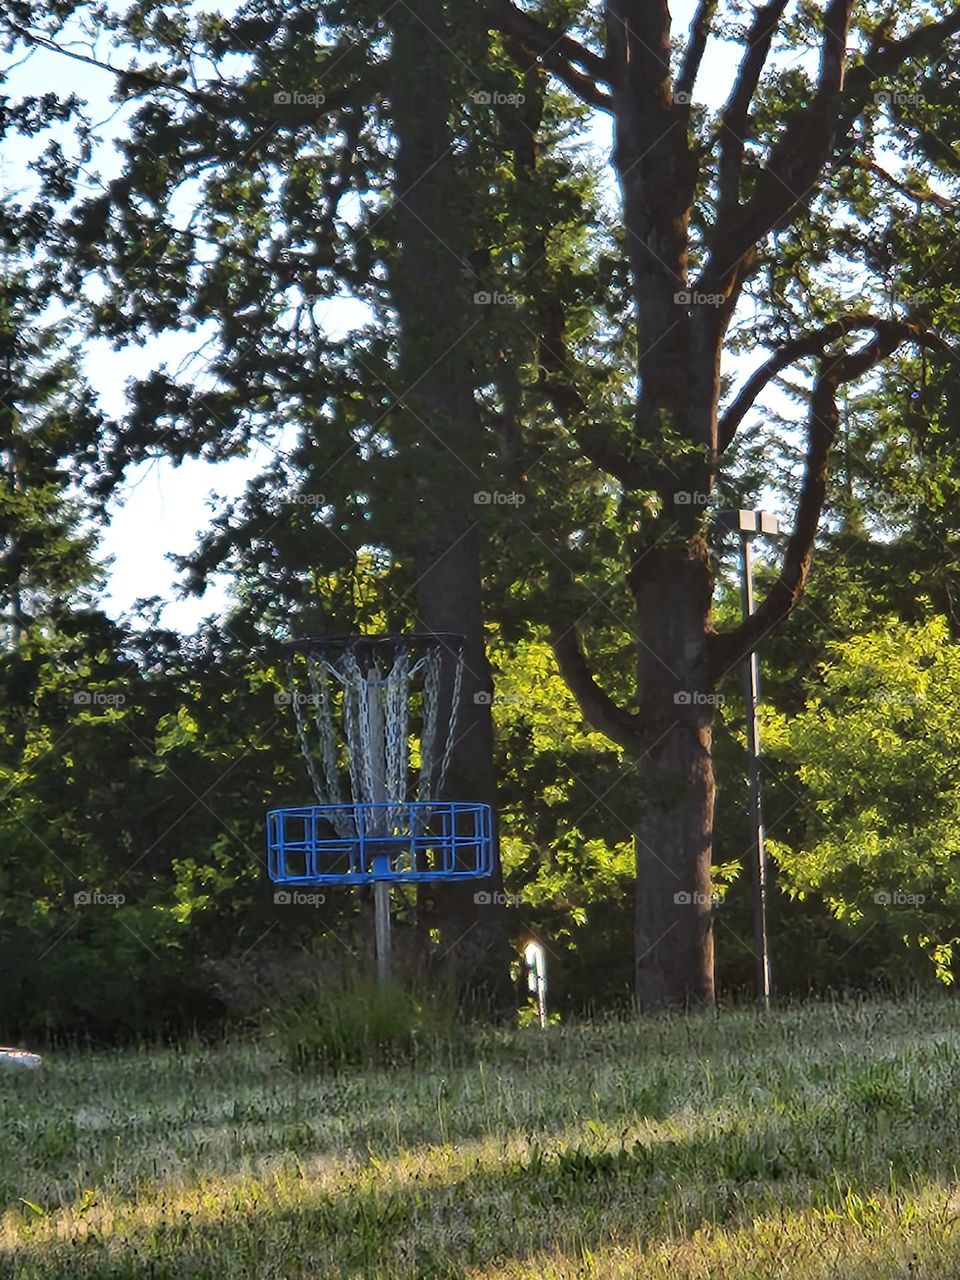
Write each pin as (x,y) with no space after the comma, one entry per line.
(162,508)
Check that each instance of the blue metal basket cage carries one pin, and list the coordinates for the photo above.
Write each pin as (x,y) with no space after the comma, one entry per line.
(411,842)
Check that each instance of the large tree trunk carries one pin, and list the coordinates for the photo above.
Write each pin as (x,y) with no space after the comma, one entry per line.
(674,935)
(670,578)
(674,938)
(444,445)
(471,915)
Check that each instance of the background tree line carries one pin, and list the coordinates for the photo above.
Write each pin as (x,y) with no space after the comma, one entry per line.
(528,333)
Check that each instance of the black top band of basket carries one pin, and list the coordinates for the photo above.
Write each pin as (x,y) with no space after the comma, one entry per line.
(416,641)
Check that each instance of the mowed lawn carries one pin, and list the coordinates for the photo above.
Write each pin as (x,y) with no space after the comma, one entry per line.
(821,1141)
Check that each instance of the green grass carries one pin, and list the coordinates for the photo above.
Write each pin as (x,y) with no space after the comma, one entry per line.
(820,1142)
(346,1022)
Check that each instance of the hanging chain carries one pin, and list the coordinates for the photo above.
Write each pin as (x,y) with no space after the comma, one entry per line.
(389,755)
(326,732)
(452,724)
(357,725)
(323,715)
(305,748)
(396,733)
(428,732)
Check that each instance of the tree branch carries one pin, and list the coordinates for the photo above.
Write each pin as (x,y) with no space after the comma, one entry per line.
(813,343)
(622,727)
(792,168)
(921,195)
(568,404)
(578,67)
(885,58)
(727,649)
(813,135)
(735,120)
(219,106)
(696,47)
(554,380)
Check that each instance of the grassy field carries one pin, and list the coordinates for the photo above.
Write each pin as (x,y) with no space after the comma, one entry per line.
(822,1141)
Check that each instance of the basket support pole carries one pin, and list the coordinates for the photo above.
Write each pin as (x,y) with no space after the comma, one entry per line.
(381,909)
(381,863)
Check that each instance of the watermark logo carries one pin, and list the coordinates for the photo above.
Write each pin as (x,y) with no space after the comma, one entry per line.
(894,698)
(687,898)
(92,898)
(887,97)
(892,507)
(491,298)
(484,698)
(498,498)
(908,300)
(484,898)
(690,498)
(691,298)
(696,698)
(494,98)
(297,898)
(288,699)
(899,899)
(681,98)
(305,500)
(292,98)
(97,698)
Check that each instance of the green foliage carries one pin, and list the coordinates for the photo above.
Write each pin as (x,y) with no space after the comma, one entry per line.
(48,430)
(566,804)
(161,795)
(876,750)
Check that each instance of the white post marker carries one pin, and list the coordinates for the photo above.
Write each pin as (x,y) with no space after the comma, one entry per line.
(19,1058)
(535,958)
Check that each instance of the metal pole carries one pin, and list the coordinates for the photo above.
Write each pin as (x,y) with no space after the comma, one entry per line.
(542,1000)
(751,692)
(381,911)
(381,862)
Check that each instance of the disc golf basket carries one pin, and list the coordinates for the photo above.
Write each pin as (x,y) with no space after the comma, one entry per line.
(379,714)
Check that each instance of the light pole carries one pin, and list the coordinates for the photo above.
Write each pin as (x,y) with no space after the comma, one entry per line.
(748,524)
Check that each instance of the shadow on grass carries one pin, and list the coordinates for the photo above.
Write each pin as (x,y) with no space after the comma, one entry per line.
(58,1138)
(438,1223)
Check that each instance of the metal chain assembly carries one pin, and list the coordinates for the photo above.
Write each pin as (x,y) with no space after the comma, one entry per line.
(376,686)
